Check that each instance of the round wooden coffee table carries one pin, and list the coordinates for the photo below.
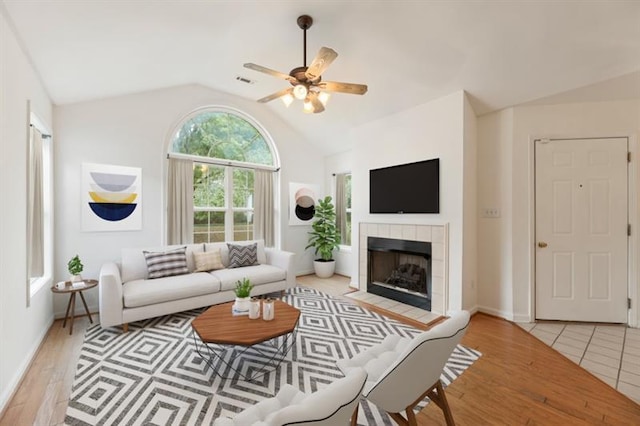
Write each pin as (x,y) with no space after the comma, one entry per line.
(236,346)
(72,290)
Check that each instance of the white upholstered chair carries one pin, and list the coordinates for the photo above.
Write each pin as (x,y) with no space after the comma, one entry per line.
(331,406)
(403,371)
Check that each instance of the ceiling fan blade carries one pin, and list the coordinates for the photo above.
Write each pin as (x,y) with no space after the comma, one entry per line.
(269,71)
(320,63)
(276,95)
(351,88)
(315,102)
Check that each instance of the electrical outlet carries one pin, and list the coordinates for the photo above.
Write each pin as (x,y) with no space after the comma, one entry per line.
(491,212)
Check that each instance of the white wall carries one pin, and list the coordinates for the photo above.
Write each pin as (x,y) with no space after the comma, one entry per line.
(518,128)
(334,164)
(134,131)
(470,210)
(431,130)
(495,242)
(21,328)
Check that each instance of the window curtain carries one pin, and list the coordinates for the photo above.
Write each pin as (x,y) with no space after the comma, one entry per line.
(35,206)
(180,202)
(341,206)
(263,207)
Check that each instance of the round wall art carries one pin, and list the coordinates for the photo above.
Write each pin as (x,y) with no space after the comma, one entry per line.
(302,203)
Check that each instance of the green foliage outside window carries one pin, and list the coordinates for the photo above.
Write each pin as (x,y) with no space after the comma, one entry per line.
(222,135)
(219,134)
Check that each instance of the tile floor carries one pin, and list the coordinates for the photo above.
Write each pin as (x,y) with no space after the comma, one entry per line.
(609,352)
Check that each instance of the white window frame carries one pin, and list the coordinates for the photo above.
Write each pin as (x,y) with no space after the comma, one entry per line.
(46,280)
(229,165)
(344,247)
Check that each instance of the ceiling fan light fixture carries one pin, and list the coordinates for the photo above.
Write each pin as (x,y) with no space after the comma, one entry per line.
(300,91)
(308,106)
(287,99)
(323,97)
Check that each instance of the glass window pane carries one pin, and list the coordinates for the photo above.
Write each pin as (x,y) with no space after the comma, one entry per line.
(208,185)
(347,190)
(220,134)
(208,227)
(346,239)
(243,188)
(242,226)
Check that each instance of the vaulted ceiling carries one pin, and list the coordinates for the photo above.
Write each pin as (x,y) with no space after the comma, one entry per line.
(503,53)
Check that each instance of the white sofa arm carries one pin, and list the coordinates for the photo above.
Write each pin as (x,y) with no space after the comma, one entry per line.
(282,259)
(110,295)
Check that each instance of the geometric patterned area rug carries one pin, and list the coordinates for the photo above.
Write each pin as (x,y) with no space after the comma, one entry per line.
(152,375)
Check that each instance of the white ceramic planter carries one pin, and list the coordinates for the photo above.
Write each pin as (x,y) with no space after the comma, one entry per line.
(324,269)
(242,304)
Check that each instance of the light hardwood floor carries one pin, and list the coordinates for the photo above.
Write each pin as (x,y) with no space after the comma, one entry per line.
(517,381)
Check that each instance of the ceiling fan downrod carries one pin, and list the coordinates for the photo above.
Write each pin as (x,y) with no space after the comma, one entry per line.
(304,22)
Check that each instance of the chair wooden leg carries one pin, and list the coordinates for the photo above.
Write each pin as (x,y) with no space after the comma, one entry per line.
(354,416)
(436,394)
(125,328)
(445,405)
(411,417)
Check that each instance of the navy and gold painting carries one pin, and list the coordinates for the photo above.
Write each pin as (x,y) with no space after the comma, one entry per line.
(111,198)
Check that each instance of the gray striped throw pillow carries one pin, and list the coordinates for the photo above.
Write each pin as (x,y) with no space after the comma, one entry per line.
(166,263)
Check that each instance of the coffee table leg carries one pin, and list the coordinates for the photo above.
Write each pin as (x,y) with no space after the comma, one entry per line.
(73,311)
(66,314)
(84,302)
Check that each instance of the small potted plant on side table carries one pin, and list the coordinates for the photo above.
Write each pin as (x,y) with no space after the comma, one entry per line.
(75,267)
(243,293)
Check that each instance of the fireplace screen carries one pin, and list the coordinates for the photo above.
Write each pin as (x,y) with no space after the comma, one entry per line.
(400,270)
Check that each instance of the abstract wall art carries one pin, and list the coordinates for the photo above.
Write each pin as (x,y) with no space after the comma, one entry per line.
(302,202)
(111,198)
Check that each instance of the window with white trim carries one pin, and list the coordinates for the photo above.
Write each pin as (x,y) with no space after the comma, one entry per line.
(226,148)
(39,208)
(343,207)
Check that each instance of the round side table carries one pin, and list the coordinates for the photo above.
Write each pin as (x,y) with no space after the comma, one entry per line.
(72,291)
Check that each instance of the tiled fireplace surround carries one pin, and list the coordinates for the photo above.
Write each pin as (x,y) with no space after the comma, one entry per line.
(434,234)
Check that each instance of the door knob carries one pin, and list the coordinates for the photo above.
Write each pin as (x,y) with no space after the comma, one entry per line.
(542,244)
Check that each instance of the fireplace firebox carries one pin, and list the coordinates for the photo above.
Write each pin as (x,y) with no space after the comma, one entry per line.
(400,270)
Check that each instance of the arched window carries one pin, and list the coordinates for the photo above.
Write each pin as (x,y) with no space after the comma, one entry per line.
(228,149)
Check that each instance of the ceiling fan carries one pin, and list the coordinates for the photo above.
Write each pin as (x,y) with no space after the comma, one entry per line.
(307,81)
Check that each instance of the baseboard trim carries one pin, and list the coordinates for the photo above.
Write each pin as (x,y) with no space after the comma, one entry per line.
(14,383)
(496,313)
(79,312)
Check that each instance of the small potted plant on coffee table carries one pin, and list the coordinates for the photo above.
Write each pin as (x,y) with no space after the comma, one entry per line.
(75,267)
(243,293)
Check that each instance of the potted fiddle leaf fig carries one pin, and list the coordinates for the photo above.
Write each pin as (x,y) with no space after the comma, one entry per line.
(243,293)
(324,238)
(75,268)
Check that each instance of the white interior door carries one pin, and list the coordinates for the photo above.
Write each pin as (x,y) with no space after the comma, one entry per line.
(581,230)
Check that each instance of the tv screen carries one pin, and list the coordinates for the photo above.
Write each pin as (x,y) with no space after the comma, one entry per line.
(406,188)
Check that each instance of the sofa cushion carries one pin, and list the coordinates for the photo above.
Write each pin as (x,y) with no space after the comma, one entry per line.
(258,274)
(208,261)
(166,263)
(242,255)
(224,250)
(148,292)
(134,265)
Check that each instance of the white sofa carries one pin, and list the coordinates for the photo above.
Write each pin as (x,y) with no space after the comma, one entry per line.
(127,295)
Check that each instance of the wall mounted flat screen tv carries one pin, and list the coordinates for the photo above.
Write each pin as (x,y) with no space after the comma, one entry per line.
(406,188)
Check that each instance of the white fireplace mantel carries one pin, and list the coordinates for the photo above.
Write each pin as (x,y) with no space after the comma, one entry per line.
(437,235)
